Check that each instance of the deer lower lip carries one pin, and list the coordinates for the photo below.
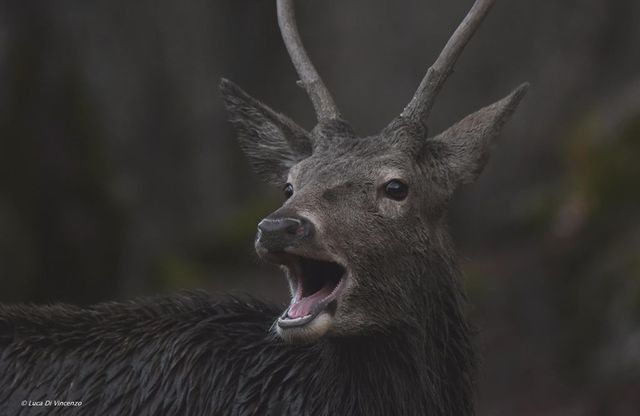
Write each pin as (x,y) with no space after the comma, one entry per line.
(317,285)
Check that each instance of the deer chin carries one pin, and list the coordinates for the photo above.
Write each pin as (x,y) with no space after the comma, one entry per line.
(316,286)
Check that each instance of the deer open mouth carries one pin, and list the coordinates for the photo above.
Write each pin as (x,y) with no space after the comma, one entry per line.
(316,285)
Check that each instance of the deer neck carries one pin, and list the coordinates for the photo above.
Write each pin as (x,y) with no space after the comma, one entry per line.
(425,367)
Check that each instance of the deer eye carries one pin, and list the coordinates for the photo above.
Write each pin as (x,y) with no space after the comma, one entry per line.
(396,189)
(288,190)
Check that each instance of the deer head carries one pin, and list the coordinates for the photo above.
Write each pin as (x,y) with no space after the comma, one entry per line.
(362,235)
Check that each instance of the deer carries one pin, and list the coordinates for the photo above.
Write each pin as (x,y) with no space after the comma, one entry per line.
(376,324)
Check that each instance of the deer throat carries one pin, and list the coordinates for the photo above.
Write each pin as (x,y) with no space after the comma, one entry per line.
(316,287)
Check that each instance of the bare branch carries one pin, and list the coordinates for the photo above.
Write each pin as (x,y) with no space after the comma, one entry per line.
(309,78)
(420,106)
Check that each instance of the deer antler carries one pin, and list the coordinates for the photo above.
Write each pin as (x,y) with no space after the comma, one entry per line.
(324,105)
(420,106)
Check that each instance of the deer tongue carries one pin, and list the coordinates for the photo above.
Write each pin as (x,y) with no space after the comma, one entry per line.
(307,305)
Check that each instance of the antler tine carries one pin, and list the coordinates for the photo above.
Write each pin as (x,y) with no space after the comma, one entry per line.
(420,106)
(324,105)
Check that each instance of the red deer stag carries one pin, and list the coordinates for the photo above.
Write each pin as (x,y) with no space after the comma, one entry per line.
(376,321)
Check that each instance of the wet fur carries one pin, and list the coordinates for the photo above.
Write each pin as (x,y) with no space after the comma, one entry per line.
(190,354)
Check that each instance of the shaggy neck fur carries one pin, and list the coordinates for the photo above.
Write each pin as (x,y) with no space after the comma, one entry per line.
(188,354)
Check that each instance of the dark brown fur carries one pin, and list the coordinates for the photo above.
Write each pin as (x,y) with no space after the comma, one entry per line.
(190,354)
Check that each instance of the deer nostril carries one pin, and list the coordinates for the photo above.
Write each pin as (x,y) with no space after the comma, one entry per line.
(293,226)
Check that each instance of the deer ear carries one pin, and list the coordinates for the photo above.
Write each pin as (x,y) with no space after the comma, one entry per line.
(463,149)
(272,142)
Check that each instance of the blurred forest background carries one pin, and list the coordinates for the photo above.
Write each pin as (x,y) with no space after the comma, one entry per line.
(120,177)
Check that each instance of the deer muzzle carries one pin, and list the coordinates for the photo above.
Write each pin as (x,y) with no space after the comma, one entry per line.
(316,277)
(277,234)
